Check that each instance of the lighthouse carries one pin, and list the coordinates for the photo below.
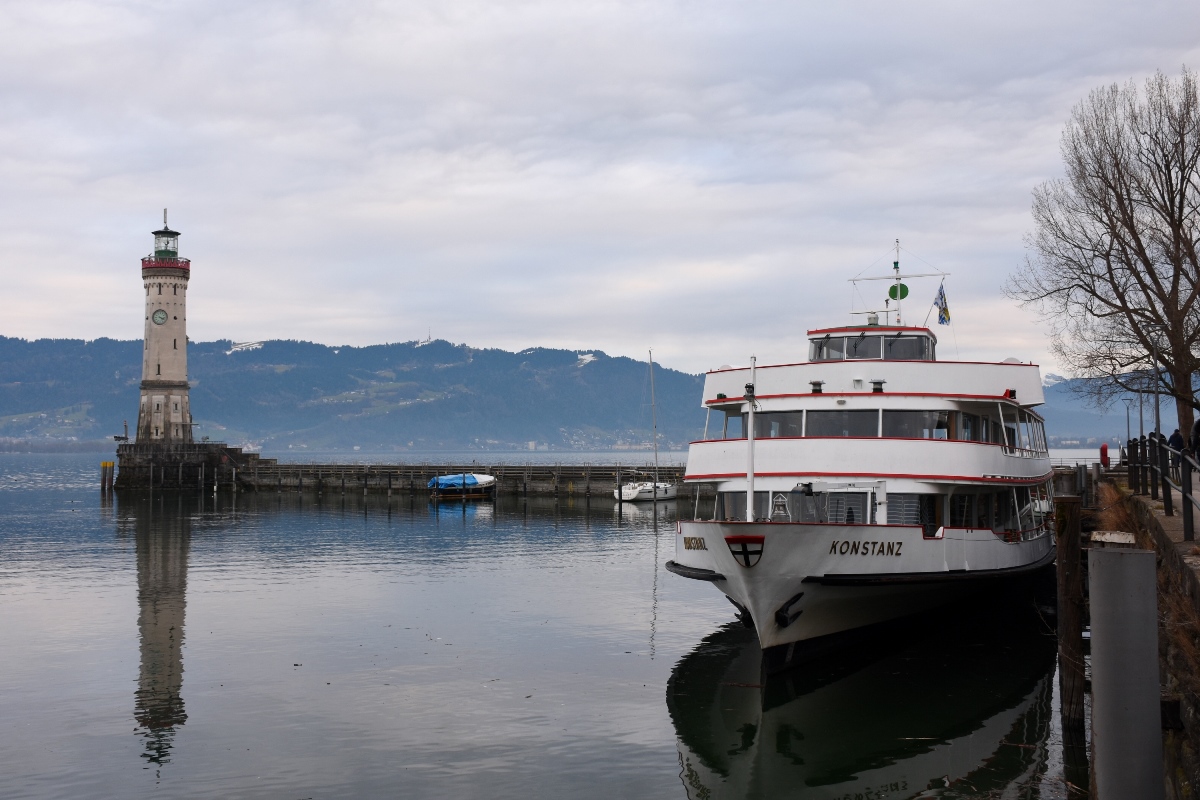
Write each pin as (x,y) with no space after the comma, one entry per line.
(164,415)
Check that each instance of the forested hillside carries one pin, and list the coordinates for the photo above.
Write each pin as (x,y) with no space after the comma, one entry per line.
(288,394)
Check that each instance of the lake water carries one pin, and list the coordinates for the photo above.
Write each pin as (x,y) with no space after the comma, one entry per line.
(276,646)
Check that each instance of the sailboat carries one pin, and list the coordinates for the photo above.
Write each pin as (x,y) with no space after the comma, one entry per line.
(648,490)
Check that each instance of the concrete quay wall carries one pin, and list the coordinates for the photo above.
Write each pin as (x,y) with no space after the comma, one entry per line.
(1178,636)
(210,465)
(569,480)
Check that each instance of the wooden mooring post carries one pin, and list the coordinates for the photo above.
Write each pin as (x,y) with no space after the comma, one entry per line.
(1069,564)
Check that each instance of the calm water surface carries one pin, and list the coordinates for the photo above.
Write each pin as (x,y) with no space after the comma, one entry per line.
(280,646)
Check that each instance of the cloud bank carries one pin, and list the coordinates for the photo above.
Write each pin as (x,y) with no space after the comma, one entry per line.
(698,177)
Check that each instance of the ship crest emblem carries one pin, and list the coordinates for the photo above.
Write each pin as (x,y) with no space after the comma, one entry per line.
(746,550)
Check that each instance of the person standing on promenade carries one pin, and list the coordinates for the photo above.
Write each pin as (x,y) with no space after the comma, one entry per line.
(1176,444)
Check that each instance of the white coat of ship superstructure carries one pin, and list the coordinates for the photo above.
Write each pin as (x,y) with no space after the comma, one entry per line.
(884,483)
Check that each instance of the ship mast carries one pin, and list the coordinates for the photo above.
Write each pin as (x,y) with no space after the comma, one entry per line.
(750,442)
(653,423)
(896,268)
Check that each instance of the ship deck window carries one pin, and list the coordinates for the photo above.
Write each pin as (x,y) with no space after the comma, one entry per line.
(732,426)
(917,424)
(777,424)
(843,423)
(914,509)
(849,508)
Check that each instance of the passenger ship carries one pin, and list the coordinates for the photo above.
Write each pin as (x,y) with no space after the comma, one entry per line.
(869,483)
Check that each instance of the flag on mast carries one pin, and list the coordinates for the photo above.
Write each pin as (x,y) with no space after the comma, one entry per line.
(942,307)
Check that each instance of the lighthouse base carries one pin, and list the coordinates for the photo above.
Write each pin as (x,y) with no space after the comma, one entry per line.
(196,465)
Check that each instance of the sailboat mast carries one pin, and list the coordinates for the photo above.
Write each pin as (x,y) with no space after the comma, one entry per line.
(653,422)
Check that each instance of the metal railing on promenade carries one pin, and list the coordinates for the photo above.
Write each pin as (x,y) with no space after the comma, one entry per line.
(1154,466)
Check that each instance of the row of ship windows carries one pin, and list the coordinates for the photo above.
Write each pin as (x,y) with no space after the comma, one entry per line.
(1013,428)
(1015,510)
(863,347)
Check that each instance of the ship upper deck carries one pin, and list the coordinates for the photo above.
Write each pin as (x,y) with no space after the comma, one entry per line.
(891,361)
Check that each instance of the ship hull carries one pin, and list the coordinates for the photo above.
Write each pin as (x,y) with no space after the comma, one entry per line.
(805,585)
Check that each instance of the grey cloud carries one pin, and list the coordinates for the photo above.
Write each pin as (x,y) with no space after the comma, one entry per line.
(696,176)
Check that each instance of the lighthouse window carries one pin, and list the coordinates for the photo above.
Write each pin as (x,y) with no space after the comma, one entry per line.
(160,288)
(175,289)
(174,344)
(843,423)
(863,346)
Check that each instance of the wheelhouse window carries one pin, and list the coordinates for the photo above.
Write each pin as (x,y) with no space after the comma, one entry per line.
(843,423)
(827,348)
(863,346)
(907,348)
(867,345)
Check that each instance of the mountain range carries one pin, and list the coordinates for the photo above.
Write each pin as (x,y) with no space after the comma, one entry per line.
(289,395)
(420,396)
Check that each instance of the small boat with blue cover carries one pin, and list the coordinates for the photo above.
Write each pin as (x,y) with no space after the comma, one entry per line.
(464,485)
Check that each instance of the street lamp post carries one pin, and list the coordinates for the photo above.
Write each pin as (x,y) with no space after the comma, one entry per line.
(1157,377)
(1128,401)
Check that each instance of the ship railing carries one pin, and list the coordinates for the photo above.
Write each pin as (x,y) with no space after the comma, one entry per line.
(1024,452)
(1154,466)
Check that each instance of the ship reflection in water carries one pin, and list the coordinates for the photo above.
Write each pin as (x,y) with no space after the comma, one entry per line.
(161,541)
(961,715)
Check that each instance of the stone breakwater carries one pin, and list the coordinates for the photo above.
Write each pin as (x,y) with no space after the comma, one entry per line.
(213,465)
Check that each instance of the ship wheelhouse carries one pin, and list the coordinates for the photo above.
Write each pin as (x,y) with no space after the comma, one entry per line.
(874,430)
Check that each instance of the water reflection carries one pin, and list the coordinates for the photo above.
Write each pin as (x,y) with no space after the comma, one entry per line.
(161,530)
(964,715)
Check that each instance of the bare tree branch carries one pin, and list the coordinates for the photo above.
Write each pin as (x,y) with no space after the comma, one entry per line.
(1114,257)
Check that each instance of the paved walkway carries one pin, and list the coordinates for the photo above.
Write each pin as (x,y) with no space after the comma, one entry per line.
(1172,526)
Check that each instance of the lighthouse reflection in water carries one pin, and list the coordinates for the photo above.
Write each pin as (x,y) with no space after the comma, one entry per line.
(161,541)
(963,712)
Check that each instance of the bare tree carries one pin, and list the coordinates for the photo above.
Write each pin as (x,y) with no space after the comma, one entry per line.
(1113,256)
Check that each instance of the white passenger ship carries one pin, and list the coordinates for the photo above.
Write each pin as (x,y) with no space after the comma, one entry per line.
(884,482)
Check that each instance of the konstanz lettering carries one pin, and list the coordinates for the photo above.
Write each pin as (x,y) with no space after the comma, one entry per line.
(694,543)
(841,548)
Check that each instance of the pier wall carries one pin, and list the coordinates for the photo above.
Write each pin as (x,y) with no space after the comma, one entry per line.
(212,465)
(1178,564)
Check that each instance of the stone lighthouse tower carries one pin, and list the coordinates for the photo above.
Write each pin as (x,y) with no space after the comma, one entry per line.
(164,415)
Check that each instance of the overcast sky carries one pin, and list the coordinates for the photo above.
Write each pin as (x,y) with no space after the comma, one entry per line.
(700,177)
